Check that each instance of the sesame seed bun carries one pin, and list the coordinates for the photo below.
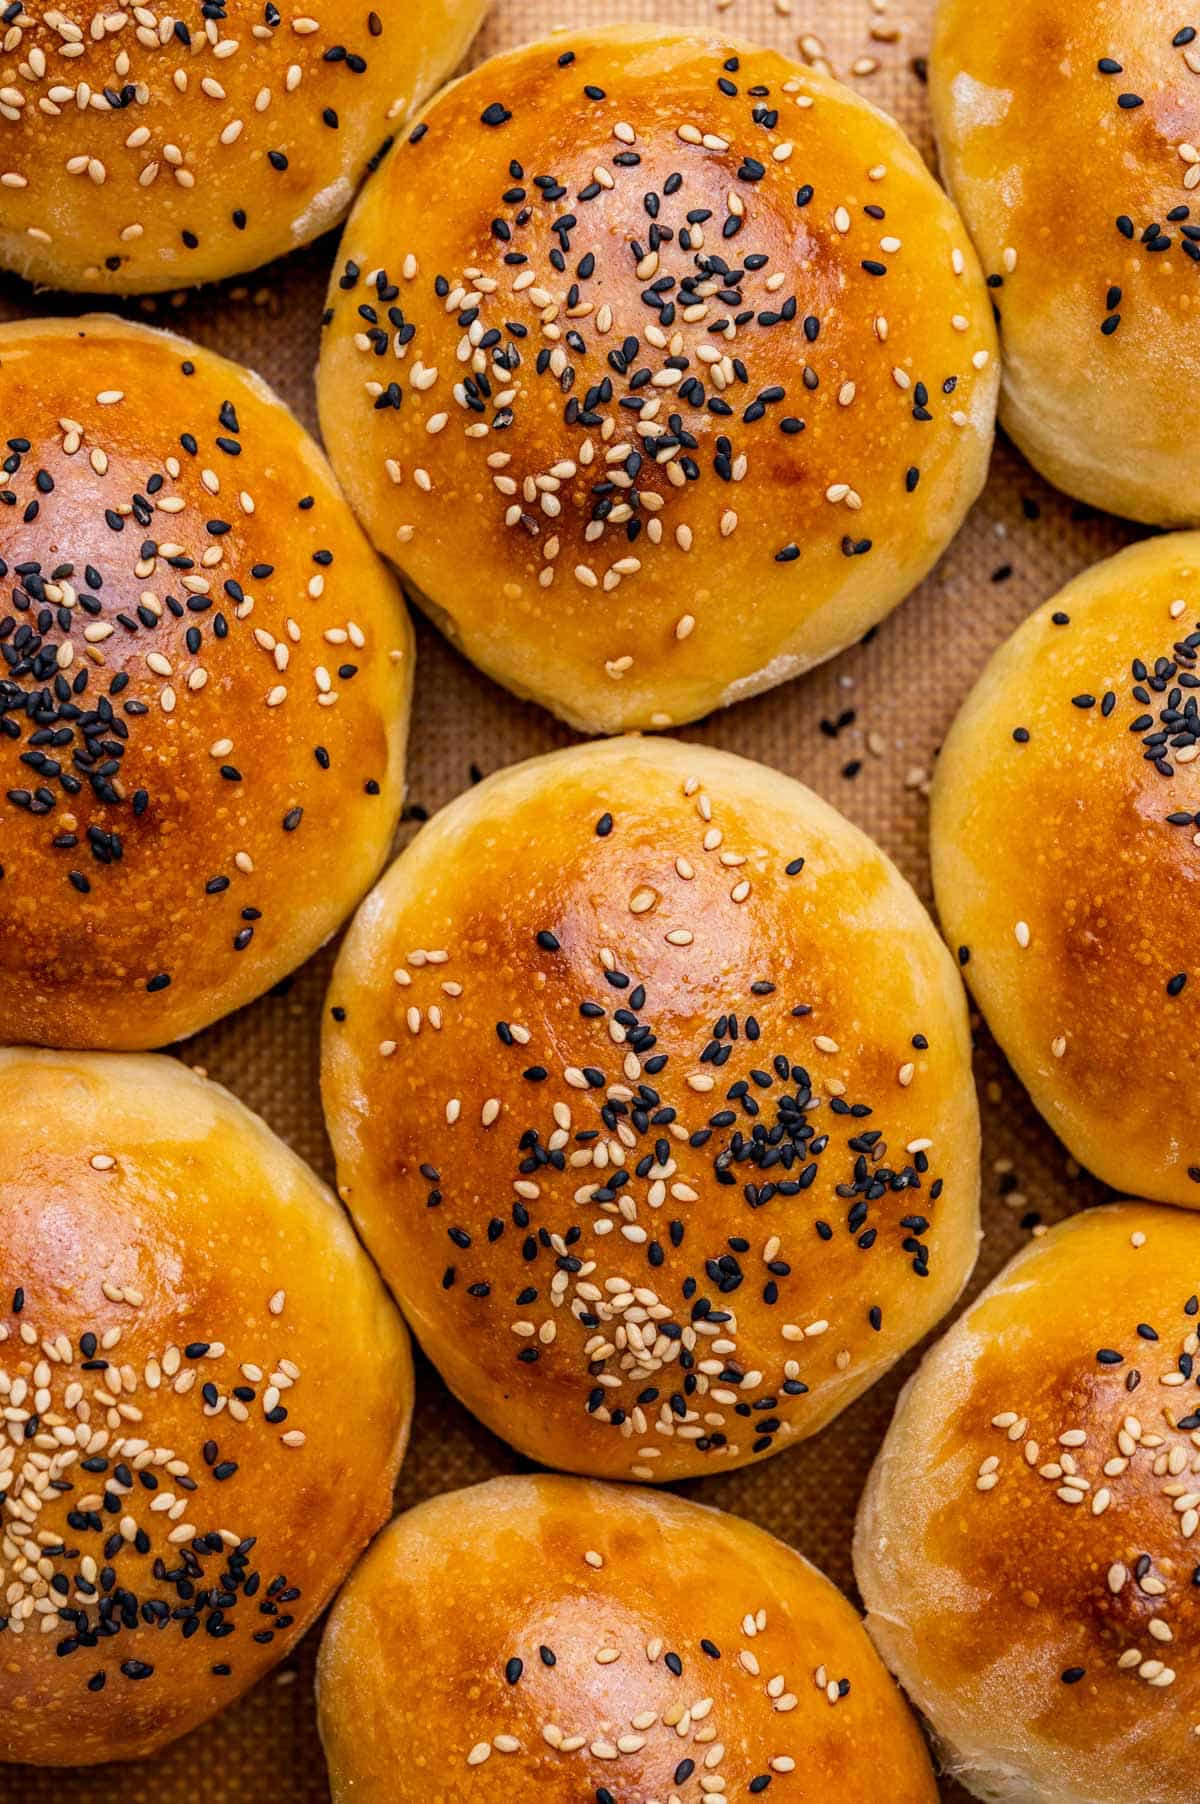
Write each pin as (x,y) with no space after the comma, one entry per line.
(660,366)
(142,152)
(545,1637)
(1065,813)
(1068,137)
(1025,1543)
(649,1083)
(203,695)
(182,1403)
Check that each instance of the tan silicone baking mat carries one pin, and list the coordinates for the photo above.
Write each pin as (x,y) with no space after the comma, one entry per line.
(863,731)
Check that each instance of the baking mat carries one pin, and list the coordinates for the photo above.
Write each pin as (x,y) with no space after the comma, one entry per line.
(863,731)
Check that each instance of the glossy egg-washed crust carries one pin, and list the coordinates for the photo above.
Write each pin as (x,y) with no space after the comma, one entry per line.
(206,1394)
(1027,1545)
(203,695)
(143,147)
(1068,135)
(1066,862)
(549,1638)
(649,1084)
(637,466)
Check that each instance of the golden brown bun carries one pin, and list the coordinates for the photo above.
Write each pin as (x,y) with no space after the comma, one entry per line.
(608,1293)
(659,1648)
(1025,1546)
(204,786)
(1066,864)
(192,1346)
(141,149)
(675,599)
(1081,210)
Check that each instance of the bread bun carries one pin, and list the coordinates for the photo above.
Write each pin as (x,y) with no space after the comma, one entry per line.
(649,1084)
(142,150)
(1025,1544)
(204,693)
(660,366)
(1065,815)
(552,1639)
(1067,135)
(206,1393)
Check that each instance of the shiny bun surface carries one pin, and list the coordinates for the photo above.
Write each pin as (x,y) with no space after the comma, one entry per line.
(649,1084)
(203,694)
(552,1640)
(142,149)
(206,1394)
(1026,1545)
(1068,134)
(660,366)
(1065,840)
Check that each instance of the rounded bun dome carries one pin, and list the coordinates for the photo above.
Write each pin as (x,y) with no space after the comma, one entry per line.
(544,1638)
(661,367)
(649,1084)
(1066,810)
(1068,136)
(206,1394)
(203,694)
(1025,1546)
(140,150)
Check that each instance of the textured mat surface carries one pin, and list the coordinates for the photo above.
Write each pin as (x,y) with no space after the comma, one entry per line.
(894,698)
